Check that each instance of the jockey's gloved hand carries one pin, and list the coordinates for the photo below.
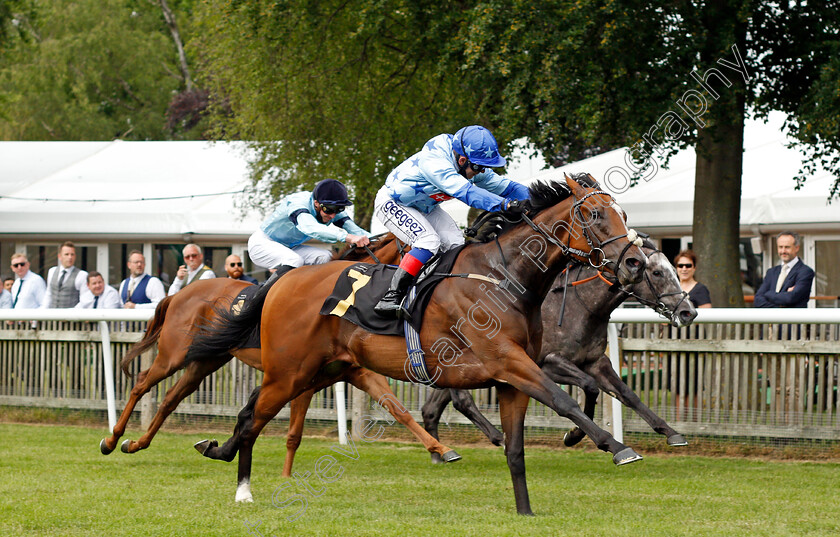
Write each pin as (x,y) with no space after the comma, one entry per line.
(518,206)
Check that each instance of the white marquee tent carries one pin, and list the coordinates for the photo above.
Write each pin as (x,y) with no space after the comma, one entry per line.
(200,178)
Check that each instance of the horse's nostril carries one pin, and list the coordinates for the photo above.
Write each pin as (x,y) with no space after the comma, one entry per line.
(633,263)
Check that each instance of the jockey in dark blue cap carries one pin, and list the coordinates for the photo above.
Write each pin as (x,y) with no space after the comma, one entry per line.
(303,216)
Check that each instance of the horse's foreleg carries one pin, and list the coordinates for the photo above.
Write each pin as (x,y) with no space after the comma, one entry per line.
(512,407)
(464,403)
(227,451)
(193,375)
(563,371)
(432,411)
(377,386)
(298,408)
(522,373)
(270,400)
(146,380)
(611,383)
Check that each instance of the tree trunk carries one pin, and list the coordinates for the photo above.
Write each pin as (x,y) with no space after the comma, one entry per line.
(717,208)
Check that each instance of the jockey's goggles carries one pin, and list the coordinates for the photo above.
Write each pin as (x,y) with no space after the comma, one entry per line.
(330,209)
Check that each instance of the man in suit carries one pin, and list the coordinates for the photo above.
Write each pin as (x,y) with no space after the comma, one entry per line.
(140,290)
(233,267)
(101,296)
(787,285)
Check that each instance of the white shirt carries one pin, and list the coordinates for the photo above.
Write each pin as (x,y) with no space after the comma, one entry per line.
(154,290)
(109,299)
(32,294)
(80,284)
(5,299)
(176,285)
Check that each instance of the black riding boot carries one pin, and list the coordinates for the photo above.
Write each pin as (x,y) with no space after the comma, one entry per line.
(279,270)
(389,306)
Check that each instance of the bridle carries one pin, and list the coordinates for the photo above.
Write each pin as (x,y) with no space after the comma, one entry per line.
(598,260)
(657,305)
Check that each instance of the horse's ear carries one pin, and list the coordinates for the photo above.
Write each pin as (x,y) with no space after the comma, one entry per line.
(575,187)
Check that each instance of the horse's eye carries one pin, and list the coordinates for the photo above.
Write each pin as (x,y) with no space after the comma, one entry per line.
(657,273)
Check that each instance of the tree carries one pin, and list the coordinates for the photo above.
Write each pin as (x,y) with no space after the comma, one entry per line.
(90,70)
(656,77)
(331,88)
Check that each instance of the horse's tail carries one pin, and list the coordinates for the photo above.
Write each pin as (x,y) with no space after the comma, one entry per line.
(216,338)
(151,337)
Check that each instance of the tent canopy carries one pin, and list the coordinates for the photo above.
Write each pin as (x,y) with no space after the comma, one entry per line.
(144,189)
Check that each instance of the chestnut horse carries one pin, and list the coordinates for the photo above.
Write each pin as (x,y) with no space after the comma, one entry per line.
(573,352)
(300,346)
(173,328)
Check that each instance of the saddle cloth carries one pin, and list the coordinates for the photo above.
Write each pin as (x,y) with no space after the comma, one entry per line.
(361,285)
(236,306)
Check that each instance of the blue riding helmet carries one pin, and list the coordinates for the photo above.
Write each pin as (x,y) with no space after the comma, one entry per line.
(479,146)
(331,192)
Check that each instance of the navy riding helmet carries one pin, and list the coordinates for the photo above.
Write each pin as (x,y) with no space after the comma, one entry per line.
(331,192)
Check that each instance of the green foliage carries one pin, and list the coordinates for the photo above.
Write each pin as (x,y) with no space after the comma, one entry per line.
(90,70)
(349,88)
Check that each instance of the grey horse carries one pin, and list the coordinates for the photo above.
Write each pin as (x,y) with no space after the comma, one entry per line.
(573,352)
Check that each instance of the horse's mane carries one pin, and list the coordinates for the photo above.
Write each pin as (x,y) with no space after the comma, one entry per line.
(543,194)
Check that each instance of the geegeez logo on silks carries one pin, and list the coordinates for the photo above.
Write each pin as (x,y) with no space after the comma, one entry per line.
(405,221)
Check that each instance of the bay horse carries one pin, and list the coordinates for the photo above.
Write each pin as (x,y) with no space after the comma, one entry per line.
(573,352)
(173,327)
(495,346)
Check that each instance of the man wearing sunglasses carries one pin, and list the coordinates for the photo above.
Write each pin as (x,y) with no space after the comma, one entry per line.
(192,270)
(29,288)
(449,166)
(233,267)
(302,216)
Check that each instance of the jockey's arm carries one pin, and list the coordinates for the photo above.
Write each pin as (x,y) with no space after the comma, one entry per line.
(355,234)
(309,226)
(449,181)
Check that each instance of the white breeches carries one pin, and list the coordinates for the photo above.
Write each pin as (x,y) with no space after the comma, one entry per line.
(268,253)
(434,231)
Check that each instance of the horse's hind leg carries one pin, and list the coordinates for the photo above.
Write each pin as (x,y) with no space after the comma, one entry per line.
(512,407)
(377,386)
(194,373)
(161,368)
(298,408)
(464,403)
(611,383)
(562,371)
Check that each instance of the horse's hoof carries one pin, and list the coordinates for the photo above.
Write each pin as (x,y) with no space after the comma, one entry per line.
(204,445)
(103,448)
(450,456)
(124,446)
(436,458)
(573,437)
(677,440)
(626,456)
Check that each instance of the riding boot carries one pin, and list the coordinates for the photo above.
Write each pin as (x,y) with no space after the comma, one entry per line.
(391,303)
(279,270)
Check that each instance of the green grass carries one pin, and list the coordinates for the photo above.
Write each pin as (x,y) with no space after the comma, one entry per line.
(53,481)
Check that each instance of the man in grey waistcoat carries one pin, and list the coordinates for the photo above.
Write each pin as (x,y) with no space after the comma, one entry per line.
(65,282)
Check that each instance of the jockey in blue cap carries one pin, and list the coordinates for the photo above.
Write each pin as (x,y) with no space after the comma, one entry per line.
(299,217)
(448,166)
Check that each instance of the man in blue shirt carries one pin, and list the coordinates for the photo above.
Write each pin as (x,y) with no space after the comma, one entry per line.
(449,166)
(300,217)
